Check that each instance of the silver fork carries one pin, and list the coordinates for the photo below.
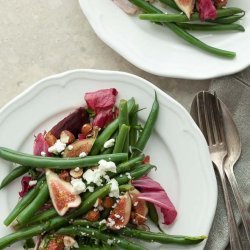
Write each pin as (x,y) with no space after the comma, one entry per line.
(206,111)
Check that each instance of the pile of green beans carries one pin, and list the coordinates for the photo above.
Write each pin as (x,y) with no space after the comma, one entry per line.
(179,23)
(29,222)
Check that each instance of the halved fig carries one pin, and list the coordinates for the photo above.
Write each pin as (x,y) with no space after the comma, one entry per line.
(78,147)
(61,193)
(51,243)
(139,207)
(187,6)
(120,215)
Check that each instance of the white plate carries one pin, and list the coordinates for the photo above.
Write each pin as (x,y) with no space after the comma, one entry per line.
(176,147)
(159,51)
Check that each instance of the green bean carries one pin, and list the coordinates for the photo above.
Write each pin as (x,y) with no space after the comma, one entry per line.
(149,8)
(126,187)
(109,131)
(180,18)
(23,203)
(148,236)
(162,237)
(124,119)
(153,215)
(133,123)
(127,166)
(209,27)
(148,128)
(33,207)
(38,218)
(135,174)
(121,139)
(228,19)
(93,233)
(29,243)
(15,173)
(57,163)
(54,223)
(172,4)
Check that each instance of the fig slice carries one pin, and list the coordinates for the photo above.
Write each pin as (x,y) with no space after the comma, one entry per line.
(78,147)
(187,6)
(120,215)
(139,207)
(61,193)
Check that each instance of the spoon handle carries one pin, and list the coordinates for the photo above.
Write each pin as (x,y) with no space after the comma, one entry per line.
(240,202)
(234,236)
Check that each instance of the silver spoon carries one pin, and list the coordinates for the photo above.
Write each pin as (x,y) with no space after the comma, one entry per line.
(234,151)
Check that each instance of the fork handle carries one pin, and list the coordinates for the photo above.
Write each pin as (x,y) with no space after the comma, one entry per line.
(235,241)
(240,202)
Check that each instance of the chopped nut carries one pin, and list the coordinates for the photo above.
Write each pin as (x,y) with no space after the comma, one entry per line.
(108,202)
(86,130)
(76,173)
(93,215)
(67,137)
(50,139)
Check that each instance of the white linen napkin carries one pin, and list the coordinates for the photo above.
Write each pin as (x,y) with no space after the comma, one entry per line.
(234,91)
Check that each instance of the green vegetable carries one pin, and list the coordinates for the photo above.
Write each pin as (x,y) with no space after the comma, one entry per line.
(209,27)
(93,233)
(180,18)
(153,215)
(109,131)
(33,207)
(124,119)
(15,173)
(228,19)
(133,123)
(29,243)
(121,139)
(148,128)
(57,163)
(24,202)
(148,236)
(54,223)
(162,237)
(149,8)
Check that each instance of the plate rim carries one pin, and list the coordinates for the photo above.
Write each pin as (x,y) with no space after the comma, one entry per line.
(191,124)
(98,31)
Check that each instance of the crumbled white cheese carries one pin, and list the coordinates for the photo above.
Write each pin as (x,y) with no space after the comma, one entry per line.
(95,175)
(110,143)
(32,183)
(107,166)
(114,189)
(78,186)
(110,242)
(82,155)
(117,216)
(70,147)
(129,176)
(77,169)
(110,223)
(100,208)
(57,148)
(91,189)
(102,222)
(43,154)
(136,203)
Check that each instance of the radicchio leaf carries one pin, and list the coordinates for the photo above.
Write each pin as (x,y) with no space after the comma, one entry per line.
(40,145)
(73,123)
(102,103)
(153,192)
(25,186)
(207,10)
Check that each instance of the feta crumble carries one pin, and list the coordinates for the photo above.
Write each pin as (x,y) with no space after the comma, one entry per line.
(57,148)
(43,154)
(70,147)
(78,186)
(32,183)
(110,143)
(114,189)
(110,242)
(82,155)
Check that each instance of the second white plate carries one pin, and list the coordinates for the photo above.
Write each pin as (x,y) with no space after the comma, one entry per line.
(159,51)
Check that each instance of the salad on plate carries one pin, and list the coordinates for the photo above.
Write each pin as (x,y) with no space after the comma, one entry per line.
(87,184)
